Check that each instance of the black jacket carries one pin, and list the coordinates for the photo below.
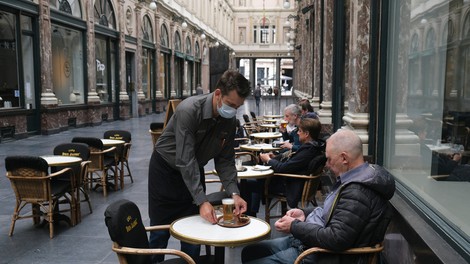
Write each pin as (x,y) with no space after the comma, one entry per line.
(355,218)
(298,163)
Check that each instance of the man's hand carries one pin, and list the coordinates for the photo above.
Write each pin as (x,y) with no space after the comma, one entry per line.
(283,225)
(287,145)
(240,205)
(296,213)
(264,157)
(206,211)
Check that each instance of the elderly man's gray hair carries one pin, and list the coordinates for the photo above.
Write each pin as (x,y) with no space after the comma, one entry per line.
(293,109)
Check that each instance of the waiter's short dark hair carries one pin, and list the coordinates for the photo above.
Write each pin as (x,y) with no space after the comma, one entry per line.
(233,80)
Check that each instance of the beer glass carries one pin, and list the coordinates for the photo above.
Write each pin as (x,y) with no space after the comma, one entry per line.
(228,205)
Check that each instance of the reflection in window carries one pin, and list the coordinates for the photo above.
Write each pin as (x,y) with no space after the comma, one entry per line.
(67,65)
(189,48)
(421,154)
(164,39)
(102,68)
(178,42)
(104,14)
(71,7)
(9,86)
(147,30)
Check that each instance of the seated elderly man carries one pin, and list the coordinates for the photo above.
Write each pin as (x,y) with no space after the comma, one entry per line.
(292,115)
(349,218)
(311,146)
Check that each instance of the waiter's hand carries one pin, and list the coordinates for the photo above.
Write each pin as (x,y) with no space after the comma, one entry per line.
(206,211)
(240,205)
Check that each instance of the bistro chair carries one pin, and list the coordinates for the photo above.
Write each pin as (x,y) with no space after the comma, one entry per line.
(77,150)
(308,192)
(123,151)
(33,185)
(156,130)
(367,254)
(100,163)
(129,236)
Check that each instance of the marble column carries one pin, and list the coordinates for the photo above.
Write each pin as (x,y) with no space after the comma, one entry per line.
(158,77)
(172,59)
(317,55)
(123,96)
(138,51)
(357,73)
(325,112)
(48,97)
(93,97)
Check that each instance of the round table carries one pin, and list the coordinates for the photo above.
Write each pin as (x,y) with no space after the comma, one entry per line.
(266,135)
(273,116)
(252,173)
(258,147)
(112,142)
(59,160)
(196,230)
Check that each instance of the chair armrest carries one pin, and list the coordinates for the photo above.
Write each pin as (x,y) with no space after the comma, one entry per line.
(59,173)
(157,227)
(111,149)
(438,177)
(152,251)
(298,176)
(352,251)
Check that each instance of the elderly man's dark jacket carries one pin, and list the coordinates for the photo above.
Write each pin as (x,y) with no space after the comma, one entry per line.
(354,221)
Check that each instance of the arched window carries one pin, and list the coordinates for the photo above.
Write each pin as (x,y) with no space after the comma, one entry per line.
(448,32)
(177,42)
(104,14)
(71,7)
(189,48)
(466,27)
(430,39)
(164,39)
(414,43)
(197,50)
(147,30)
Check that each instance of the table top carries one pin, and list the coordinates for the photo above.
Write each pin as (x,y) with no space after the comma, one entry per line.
(112,142)
(271,120)
(439,148)
(269,125)
(195,229)
(273,116)
(258,147)
(252,173)
(59,160)
(266,135)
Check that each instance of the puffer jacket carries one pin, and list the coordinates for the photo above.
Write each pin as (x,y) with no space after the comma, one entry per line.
(354,221)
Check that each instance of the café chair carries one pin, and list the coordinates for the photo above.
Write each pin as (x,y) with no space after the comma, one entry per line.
(129,236)
(123,151)
(100,163)
(368,254)
(156,130)
(308,192)
(33,185)
(77,150)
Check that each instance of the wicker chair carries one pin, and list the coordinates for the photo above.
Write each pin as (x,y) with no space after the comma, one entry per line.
(33,185)
(372,253)
(100,163)
(156,130)
(129,236)
(309,190)
(123,151)
(78,150)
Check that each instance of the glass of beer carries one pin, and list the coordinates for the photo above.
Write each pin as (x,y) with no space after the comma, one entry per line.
(283,123)
(228,205)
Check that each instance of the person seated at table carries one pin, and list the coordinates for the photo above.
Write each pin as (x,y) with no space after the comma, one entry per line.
(351,215)
(441,163)
(292,115)
(307,109)
(296,163)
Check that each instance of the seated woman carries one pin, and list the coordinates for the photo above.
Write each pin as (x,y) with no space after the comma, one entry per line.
(307,109)
(296,163)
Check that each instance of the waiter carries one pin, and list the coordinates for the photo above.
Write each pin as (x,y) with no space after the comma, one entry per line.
(202,128)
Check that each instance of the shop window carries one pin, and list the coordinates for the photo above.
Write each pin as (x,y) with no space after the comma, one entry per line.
(67,65)
(104,14)
(427,140)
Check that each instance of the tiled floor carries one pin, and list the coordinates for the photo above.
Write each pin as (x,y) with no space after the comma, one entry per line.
(89,242)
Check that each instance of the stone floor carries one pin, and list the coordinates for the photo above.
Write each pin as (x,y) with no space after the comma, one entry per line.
(89,242)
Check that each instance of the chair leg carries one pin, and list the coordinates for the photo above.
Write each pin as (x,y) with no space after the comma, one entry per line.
(87,199)
(50,216)
(14,218)
(104,179)
(121,175)
(128,170)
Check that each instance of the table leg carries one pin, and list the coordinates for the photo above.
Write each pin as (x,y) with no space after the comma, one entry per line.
(219,255)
